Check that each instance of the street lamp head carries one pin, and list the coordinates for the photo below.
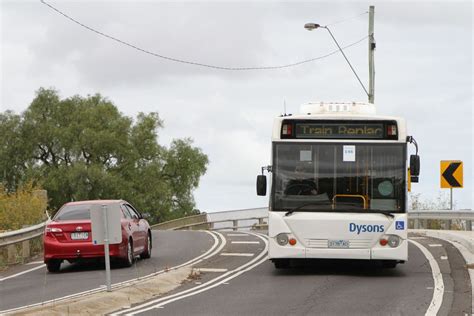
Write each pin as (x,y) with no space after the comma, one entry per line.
(311,26)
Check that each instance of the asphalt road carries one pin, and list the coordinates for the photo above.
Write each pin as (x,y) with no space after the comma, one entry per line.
(321,288)
(170,248)
(237,279)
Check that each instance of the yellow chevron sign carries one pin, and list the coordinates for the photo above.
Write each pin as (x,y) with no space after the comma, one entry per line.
(451,174)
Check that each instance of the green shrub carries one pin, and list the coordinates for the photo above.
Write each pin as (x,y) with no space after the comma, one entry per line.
(24,207)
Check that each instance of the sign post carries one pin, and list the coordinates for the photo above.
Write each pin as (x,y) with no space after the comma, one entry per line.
(451,176)
(106,248)
(106,230)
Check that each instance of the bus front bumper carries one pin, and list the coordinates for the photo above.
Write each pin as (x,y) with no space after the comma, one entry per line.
(377,252)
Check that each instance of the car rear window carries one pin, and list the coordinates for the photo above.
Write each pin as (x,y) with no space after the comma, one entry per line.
(70,212)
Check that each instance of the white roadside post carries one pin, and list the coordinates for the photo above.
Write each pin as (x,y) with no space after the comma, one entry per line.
(106,230)
(106,248)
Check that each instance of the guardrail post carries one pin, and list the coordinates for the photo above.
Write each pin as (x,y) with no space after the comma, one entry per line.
(235,224)
(260,221)
(11,257)
(468,225)
(211,226)
(416,223)
(448,224)
(25,249)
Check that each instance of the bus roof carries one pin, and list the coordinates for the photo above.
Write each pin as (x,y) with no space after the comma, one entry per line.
(338,111)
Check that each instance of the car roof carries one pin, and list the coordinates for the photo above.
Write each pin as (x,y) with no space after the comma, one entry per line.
(101,202)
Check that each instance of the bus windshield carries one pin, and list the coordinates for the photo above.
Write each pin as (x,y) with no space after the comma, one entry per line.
(358,177)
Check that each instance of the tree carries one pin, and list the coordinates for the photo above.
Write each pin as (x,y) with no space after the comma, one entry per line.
(440,203)
(13,156)
(83,148)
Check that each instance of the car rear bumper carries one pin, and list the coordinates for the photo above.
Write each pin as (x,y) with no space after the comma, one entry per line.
(79,250)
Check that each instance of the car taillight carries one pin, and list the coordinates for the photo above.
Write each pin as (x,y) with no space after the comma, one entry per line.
(53,231)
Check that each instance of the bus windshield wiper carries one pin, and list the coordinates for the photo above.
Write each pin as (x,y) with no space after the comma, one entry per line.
(386,213)
(301,206)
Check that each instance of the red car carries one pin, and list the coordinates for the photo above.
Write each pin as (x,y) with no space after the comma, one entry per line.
(68,236)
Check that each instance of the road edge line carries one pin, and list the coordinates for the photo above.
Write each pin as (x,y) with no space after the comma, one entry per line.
(23,272)
(198,289)
(122,284)
(438,287)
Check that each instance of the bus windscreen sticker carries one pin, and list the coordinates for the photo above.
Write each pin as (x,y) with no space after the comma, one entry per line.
(305,155)
(349,153)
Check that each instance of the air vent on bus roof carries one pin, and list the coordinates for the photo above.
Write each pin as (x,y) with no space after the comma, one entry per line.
(337,108)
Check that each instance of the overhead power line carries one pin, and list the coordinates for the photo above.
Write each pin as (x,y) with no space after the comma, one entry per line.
(348,19)
(202,64)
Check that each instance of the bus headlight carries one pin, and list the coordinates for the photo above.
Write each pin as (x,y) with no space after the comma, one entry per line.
(282,239)
(393,241)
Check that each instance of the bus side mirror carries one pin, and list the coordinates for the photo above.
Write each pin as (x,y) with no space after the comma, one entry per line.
(415,167)
(261,185)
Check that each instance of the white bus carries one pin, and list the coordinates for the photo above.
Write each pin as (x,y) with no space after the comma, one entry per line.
(339,185)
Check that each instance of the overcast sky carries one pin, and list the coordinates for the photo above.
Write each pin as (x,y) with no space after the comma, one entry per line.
(423,73)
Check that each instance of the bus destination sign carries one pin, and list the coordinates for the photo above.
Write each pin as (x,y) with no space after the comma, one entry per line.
(339,130)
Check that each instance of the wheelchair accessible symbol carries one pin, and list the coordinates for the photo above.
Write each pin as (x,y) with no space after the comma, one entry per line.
(399,225)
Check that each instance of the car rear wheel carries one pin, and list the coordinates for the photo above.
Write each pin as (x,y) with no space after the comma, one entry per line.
(53,265)
(147,252)
(129,258)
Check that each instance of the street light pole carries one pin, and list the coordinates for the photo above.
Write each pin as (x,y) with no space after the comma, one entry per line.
(371,55)
(345,57)
(371,92)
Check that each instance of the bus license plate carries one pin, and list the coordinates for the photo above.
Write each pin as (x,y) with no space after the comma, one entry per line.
(338,243)
(79,236)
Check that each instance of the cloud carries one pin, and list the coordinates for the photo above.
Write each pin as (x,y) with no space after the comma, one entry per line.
(423,73)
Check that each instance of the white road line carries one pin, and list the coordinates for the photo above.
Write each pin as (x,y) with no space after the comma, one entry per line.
(223,243)
(237,254)
(201,288)
(417,238)
(435,245)
(438,291)
(469,258)
(444,257)
(21,273)
(34,262)
(245,242)
(210,252)
(211,270)
(237,235)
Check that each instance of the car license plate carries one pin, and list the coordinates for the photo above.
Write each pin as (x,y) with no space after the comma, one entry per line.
(338,243)
(79,236)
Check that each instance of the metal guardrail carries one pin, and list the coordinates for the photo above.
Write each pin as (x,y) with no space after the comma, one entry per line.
(21,235)
(418,219)
(235,223)
(196,221)
(18,245)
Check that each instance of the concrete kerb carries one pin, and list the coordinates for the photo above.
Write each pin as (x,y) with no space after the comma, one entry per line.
(463,241)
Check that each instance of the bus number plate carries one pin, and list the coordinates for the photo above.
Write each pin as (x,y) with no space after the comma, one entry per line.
(338,243)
